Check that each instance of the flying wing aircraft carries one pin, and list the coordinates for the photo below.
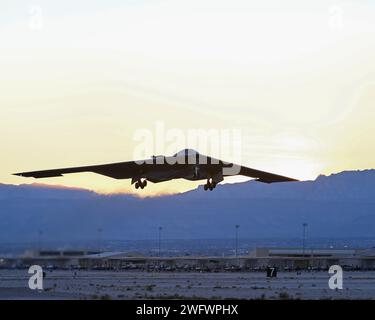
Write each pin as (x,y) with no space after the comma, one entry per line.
(187,164)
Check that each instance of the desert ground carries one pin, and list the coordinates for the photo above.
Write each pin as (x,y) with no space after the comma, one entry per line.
(72,284)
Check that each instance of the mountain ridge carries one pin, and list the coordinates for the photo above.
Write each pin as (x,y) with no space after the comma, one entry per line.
(338,205)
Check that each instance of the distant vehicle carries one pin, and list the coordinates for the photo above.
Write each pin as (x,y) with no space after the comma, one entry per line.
(187,164)
(170,268)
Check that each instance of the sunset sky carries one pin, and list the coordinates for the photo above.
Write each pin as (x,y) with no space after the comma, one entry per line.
(79,78)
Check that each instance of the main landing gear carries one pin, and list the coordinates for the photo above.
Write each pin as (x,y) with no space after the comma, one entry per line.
(140,184)
(210,185)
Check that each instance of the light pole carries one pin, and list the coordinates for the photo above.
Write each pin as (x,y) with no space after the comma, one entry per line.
(40,233)
(237,226)
(160,228)
(304,227)
(100,239)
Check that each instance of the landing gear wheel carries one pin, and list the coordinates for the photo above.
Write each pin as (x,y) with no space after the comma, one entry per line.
(210,185)
(140,184)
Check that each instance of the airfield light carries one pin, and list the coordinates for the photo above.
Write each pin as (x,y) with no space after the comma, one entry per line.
(100,230)
(160,228)
(237,226)
(40,233)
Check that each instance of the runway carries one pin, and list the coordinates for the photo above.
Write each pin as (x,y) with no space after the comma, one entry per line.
(63,284)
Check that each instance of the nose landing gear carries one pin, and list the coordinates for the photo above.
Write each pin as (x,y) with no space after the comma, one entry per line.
(210,185)
(140,184)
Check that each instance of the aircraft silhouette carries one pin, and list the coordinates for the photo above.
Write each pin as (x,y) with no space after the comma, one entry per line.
(187,164)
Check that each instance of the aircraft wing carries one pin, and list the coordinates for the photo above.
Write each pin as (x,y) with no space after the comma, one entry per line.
(263,176)
(120,170)
(133,169)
